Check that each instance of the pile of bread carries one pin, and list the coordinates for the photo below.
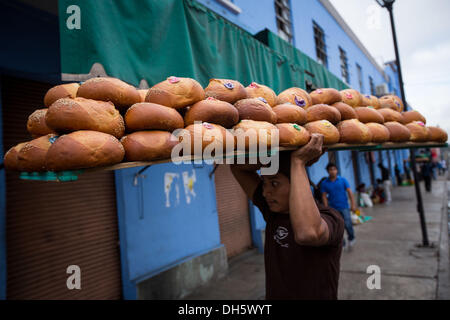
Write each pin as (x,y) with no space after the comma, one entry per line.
(105,121)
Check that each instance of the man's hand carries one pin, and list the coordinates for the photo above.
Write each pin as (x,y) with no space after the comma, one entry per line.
(310,153)
(353,209)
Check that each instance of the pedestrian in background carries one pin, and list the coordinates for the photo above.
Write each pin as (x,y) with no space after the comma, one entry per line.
(426,172)
(336,193)
(387,184)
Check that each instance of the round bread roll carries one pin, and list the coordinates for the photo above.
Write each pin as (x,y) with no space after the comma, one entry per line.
(347,112)
(84,149)
(330,133)
(325,96)
(176,92)
(143,94)
(152,116)
(213,136)
(10,159)
(323,112)
(67,115)
(31,157)
(256,90)
(437,134)
(290,113)
(148,145)
(370,101)
(120,93)
(295,96)
(292,135)
(68,90)
(419,132)
(226,90)
(391,115)
(391,102)
(368,114)
(413,115)
(380,133)
(398,132)
(352,97)
(255,109)
(213,111)
(254,133)
(354,132)
(36,124)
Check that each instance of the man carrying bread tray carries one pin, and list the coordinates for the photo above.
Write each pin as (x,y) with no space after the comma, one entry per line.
(303,241)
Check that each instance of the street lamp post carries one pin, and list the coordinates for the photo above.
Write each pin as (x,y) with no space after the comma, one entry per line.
(388,4)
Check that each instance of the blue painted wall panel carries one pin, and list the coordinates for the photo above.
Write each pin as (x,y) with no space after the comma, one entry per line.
(318,170)
(169,216)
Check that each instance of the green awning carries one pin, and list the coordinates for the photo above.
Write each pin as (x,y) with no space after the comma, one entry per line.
(151,40)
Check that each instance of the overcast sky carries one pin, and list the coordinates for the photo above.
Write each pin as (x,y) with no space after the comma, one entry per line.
(423,33)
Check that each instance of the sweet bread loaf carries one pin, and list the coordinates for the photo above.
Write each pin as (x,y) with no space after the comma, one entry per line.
(295,96)
(413,115)
(290,113)
(226,90)
(84,149)
(391,102)
(391,115)
(398,132)
(323,112)
(352,97)
(175,92)
(256,90)
(255,109)
(31,157)
(292,135)
(213,111)
(148,145)
(206,135)
(437,134)
(152,116)
(325,96)
(419,132)
(254,133)
(347,112)
(68,90)
(67,115)
(368,114)
(330,133)
(354,132)
(36,124)
(380,133)
(10,159)
(120,93)
(370,101)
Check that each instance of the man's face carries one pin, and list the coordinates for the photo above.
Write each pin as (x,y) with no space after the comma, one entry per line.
(276,192)
(333,171)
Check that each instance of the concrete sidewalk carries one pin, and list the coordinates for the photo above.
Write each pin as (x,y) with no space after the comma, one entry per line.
(390,241)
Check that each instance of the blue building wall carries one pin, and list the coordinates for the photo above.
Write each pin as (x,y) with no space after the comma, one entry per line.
(169,217)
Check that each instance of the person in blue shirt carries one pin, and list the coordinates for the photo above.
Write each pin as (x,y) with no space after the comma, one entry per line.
(335,193)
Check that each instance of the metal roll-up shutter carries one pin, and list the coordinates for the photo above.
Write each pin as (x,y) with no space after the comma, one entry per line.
(50,225)
(232,207)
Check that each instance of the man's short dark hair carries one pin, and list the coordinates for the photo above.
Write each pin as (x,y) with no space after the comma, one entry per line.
(331,165)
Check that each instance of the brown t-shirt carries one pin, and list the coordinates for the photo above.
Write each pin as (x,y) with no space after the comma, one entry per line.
(299,272)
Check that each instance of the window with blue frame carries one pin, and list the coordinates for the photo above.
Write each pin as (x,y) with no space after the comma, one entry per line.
(283,16)
(321,49)
(372,86)
(344,65)
(360,78)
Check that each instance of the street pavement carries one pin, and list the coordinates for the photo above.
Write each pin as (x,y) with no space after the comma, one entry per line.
(391,241)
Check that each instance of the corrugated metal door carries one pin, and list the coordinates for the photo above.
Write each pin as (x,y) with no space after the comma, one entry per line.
(50,225)
(232,207)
